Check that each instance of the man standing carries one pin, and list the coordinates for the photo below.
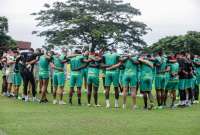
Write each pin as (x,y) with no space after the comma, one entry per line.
(183,74)
(172,85)
(129,79)
(28,61)
(76,65)
(161,78)
(146,79)
(9,71)
(93,78)
(196,62)
(112,76)
(44,61)
(58,77)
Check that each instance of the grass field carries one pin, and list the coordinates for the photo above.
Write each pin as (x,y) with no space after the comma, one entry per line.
(19,118)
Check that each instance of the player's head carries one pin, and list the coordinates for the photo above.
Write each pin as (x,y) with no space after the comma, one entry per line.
(160,53)
(77,51)
(38,50)
(31,50)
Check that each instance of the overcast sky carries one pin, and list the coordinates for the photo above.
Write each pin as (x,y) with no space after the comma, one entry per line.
(164,17)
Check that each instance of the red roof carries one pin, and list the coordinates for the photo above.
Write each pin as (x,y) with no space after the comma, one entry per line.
(23,45)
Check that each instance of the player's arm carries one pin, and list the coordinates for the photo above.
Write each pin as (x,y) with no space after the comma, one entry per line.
(72,55)
(103,65)
(97,59)
(115,66)
(146,62)
(133,61)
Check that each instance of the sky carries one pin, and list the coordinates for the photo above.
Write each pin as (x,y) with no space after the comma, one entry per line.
(164,17)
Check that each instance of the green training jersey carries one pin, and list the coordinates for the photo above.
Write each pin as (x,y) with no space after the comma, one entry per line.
(146,71)
(161,64)
(93,71)
(111,58)
(57,61)
(130,66)
(197,68)
(76,62)
(43,64)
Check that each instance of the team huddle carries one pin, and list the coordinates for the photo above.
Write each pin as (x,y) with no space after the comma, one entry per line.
(174,75)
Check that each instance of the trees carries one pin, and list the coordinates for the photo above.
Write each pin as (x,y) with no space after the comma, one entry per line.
(95,23)
(6,42)
(189,42)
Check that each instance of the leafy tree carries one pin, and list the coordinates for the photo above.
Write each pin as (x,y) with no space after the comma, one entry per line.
(189,42)
(95,23)
(6,42)
(3,25)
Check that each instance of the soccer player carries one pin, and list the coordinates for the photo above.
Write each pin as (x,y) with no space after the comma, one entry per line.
(129,79)
(77,63)
(146,79)
(17,79)
(112,76)
(85,70)
(196,62)
(190,80)
(160,78)
(58,62)
(93,78)
(172,85)
(3,64)
(9,71)
(44,61)
(183,75)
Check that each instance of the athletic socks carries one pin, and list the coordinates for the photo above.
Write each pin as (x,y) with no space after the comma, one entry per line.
(116,103)
(107,103)
(79,101)
(70,101)
(124,106)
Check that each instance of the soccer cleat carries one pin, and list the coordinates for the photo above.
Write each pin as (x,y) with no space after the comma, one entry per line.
(18,97)
(46,101)
(134,107)
(26,99)
(54,102)
(151,106)
(88,105)
(195,102)
(62,103)
(34,99)
(4,94)
(98,105)
(160,107)
(107,105)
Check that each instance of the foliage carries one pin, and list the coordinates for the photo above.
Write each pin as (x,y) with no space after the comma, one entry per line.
(189,42)
(6,42)
(94,23)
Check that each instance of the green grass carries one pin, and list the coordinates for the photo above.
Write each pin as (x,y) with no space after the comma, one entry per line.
(19,118)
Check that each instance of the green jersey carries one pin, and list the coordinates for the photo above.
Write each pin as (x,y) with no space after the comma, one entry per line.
(57,61)
(93,71)
(111,58)
(76,62)
(197,68)
(130,67)
(161,64)
(43,64)
(146,71)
